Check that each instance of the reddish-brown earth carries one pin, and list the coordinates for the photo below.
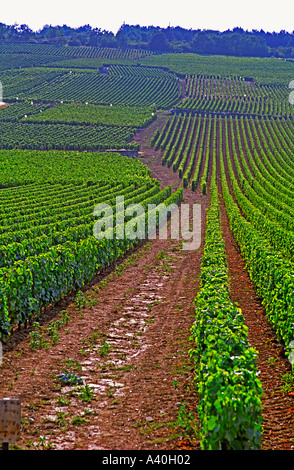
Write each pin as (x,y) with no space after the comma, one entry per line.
(130,345)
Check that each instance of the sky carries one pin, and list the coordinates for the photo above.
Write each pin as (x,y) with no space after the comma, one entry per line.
(110,15)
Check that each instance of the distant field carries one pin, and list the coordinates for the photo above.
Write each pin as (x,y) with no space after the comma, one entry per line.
(16,55)
(262,70)
(92,114)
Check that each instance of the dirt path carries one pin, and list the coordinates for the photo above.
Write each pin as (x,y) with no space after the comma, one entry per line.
(129,345)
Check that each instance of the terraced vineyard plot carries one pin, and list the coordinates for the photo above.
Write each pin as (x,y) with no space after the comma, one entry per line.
(93,114)
(140,70)
(64,136)
(18,83)
(23,167)
(235,96)
(21,110)
(102,89)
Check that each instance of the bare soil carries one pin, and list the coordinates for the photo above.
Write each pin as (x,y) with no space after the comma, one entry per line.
(128,341)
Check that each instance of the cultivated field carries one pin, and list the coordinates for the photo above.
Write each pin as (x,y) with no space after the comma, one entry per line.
(123,343)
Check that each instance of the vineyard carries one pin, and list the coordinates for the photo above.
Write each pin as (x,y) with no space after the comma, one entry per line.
(187,144)
(235,96)
(210,130)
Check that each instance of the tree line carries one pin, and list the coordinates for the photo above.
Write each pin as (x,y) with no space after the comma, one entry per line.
(235,42)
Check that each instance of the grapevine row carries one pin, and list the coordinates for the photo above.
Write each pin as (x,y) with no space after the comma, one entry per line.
(225,364)
(271,273)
